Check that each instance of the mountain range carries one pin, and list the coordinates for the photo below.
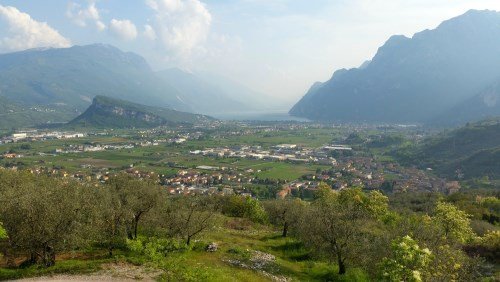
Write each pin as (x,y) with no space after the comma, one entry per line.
(447,75)
(65,80)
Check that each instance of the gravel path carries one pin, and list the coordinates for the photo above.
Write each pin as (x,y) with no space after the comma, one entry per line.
(111,272)
(82,278)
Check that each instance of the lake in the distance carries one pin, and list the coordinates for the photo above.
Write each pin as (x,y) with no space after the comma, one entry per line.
(259,116)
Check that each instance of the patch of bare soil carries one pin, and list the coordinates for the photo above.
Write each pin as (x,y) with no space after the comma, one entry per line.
(111,272)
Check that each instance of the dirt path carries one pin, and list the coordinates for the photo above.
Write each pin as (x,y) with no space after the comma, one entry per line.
(111,272)
(80,278)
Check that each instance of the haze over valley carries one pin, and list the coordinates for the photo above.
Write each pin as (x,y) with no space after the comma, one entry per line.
(249,140)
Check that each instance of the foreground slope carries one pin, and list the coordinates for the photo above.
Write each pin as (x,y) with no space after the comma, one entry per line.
(415,79)
(113,113)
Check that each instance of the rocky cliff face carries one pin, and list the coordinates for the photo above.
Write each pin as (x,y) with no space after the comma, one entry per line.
(415,79)
(108,112)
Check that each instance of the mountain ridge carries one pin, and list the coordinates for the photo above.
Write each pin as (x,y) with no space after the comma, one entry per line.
(75,75)
(71,77)
(413,79)
(116,113)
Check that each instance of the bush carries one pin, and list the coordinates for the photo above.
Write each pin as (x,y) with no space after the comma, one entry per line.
(156,249)
(246,207)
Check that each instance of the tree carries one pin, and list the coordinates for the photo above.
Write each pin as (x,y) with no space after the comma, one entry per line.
(41,215)
(111,217)
(408,263)
(120,205)
(188,217)
(285,213)
(453,264)
(337,222)
(136,198)
(455,223)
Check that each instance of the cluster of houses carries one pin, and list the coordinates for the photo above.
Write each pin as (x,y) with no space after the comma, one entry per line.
(35,135)
(91,148)
(202,182)
(283,152)
(369,174)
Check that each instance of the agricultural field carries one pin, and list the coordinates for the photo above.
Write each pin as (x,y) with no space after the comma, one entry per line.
(157,158)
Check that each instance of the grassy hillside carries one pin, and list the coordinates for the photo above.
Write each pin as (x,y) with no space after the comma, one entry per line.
(240,241)
(133,228)
(470,151)
(16,116)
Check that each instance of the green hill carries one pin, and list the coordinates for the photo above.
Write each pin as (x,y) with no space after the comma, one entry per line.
(470,151)
(13,115)
(107,112)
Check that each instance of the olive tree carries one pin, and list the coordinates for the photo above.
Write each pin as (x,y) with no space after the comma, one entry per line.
(135,198)
(337,223)
(41,215)
(189,217)
(110,226)
(285,213)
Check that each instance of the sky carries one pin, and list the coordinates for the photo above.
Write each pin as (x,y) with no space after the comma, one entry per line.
(277,47)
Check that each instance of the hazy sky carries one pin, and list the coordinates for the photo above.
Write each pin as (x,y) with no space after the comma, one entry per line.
(279,47)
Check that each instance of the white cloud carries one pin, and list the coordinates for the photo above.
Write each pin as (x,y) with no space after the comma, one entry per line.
(123,29)
(23,32)
(181,26)
(83,16)
(100,25)
(149,32)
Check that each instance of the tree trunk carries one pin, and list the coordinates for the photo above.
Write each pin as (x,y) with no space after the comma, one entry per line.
(285,229)
(188,240)
(9,260)
(130,235)
(341,266)
(33,258)
(49,256)
(110,251)
(136,223)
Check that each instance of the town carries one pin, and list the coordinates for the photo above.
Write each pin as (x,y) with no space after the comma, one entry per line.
(261,167)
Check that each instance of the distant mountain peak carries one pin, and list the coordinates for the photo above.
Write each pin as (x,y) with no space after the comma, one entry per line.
(414,79)
(472,19)
(39,49)
(65,75)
